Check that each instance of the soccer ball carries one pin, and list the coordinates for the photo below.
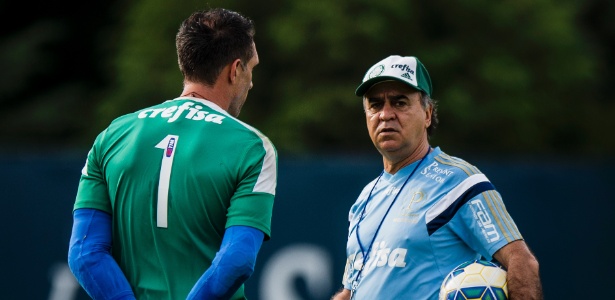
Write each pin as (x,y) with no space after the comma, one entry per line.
(476,280)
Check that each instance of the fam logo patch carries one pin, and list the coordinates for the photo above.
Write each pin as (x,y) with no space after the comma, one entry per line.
(483,218)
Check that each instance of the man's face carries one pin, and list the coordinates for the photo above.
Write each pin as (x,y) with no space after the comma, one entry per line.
(396,121)
(244,84)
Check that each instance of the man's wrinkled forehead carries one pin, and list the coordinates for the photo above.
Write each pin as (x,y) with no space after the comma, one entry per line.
(389,86)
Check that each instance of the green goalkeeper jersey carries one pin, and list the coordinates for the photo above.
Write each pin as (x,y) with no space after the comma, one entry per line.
(174,176)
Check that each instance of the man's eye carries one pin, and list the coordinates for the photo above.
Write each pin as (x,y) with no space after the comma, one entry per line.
(375,105)
(403,104)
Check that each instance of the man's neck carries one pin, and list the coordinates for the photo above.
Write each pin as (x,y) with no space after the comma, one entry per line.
(392,167)
(197,90)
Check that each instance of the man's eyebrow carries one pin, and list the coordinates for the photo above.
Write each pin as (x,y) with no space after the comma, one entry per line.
(399,96)
(374,98)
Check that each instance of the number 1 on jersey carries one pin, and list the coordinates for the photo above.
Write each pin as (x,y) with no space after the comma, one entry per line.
(168,144)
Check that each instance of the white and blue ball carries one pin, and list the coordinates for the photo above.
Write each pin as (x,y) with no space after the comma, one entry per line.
(475,280)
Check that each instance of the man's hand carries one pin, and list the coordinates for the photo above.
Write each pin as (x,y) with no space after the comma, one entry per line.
(343,294)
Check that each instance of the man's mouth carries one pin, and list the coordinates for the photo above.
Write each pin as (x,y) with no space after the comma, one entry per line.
(385,130)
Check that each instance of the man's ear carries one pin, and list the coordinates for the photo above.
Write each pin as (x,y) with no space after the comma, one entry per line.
(235,65)
(428,116)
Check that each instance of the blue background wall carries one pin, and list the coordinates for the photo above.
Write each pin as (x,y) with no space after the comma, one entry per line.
(565,209)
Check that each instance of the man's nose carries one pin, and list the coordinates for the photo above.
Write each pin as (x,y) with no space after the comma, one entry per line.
(387,112)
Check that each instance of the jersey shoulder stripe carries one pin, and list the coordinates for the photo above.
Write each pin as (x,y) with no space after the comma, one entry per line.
(466,167)
(503,220)
(445,209)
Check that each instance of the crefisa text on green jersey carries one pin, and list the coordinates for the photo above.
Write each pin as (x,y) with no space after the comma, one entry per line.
(172,113)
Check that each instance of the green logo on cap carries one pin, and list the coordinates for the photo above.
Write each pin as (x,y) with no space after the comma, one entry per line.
(407,75)
(376,71)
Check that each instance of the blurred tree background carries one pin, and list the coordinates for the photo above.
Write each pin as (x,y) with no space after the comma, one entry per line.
(511,77)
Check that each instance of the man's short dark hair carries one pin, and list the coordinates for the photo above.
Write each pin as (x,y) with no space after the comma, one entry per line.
(208,40)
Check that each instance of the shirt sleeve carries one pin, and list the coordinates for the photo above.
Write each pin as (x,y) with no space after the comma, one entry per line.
(92,191)
(89,256)
(252,202)
(485,225)
(232,266)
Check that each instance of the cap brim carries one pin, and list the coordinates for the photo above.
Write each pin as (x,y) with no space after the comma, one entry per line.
(366,85)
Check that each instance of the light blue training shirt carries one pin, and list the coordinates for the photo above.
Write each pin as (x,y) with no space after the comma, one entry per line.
(447,212)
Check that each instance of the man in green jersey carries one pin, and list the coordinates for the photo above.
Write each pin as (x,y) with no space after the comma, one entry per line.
(175,200)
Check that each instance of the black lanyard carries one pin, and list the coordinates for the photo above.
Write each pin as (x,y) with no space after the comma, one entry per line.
(365,254)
